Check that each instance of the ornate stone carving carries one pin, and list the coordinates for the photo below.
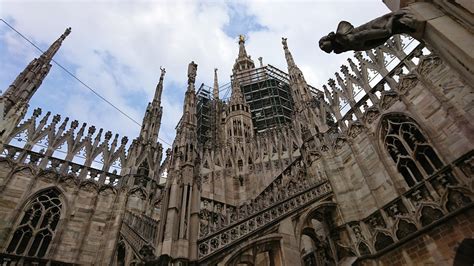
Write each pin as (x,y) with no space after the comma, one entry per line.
(147,253)
(192,70)
(339,143)
(252,217)
(376,221)
(388,99)
(456,199)
(357,232)
(371,114)
(407,82)
(355,129)
(428,63)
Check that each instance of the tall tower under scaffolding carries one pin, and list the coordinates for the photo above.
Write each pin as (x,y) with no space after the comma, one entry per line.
(266,89)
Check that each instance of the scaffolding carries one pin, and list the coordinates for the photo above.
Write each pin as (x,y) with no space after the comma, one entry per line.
(267,91)
(204,114)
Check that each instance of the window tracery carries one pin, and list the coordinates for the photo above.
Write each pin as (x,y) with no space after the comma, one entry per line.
(37,227)
(409,149)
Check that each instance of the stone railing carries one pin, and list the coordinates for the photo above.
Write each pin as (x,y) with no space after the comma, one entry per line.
(229,235)
(145,226)
(139,230)
(215,215)
(62,167)
(53,137)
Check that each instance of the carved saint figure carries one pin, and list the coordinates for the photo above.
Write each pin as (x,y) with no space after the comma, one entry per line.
(370,35)
(192,69)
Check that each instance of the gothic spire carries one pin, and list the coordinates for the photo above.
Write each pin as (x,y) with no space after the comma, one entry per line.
(159,87)
(189,108)
(192,70)
(152,119)
(238,119)
(296,78)
(288,56)
(302,97)
(48,55)
(215,91)
(183,197)
(243,61)
(29,80)
(242,51)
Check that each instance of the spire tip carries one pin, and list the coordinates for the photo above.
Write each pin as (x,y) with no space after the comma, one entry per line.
(241,38)
(283,41)
(163,72)
(192,69)
(67,31)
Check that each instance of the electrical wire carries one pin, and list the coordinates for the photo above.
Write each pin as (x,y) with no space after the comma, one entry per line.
(79,80)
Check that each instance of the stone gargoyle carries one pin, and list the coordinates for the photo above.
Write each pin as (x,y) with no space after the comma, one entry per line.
(371,34)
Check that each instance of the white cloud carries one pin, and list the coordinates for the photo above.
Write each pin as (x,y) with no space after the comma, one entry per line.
(117,47)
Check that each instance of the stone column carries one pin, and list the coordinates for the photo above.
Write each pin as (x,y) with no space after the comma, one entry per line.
(289,246)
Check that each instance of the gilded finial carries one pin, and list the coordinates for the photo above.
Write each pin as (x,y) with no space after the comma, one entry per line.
(241,38)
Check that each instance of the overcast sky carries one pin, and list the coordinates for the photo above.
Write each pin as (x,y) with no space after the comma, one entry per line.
(117,48)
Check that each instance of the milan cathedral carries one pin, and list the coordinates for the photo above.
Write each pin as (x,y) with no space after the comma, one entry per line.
(375,167)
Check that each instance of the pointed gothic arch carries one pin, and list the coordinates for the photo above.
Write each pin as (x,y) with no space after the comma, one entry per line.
(429,214)
(363,249)
(35,230)
(121,253)
(313,231)
(409,147)
(266,247)
(144,168)
(404,227)
(382,240)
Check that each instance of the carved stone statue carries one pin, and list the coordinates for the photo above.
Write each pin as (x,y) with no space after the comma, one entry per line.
(370,35)
(192,69)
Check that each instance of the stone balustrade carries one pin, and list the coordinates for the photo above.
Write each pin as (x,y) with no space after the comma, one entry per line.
(260,219)
(62,167)
(144,226)
(139,231)
(64,140)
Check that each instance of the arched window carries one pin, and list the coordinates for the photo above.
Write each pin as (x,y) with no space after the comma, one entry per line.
(36,228)
(143,169)
(143,173)
(409,149)
(121,253)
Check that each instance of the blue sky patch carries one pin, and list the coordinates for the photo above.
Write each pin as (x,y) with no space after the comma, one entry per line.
(241,22)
